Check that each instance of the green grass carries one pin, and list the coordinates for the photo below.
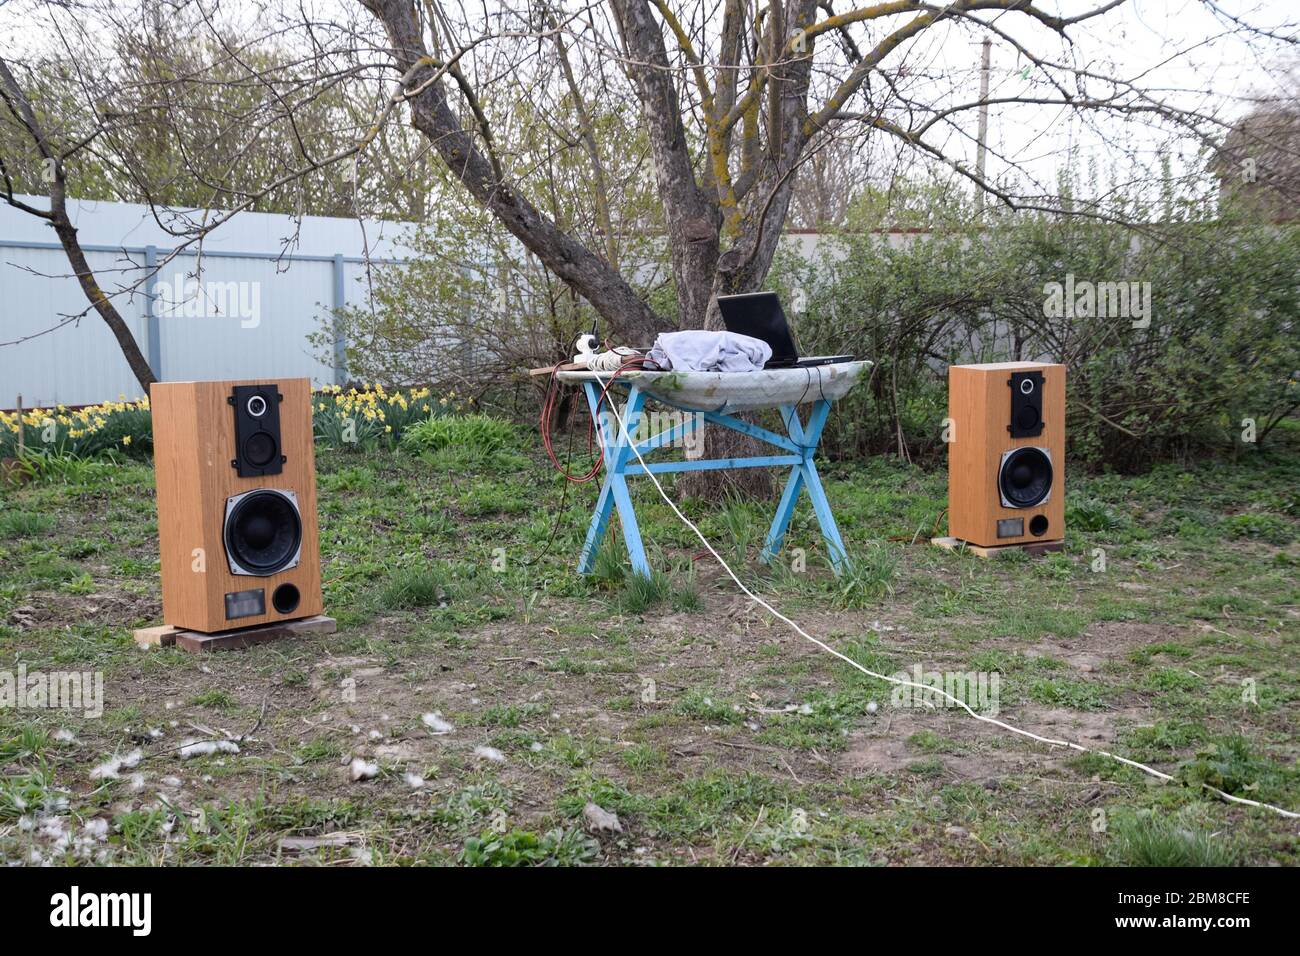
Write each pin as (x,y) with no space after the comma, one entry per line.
(215,699)
(415,588)
(1062,692)
(716,734)
(868,578)
(1146,839)
(522,848)
(24,524)
(639,592)
(474,433)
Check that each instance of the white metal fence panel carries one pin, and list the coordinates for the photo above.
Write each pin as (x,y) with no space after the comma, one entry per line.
(244,320)
(266,282)
(74,364)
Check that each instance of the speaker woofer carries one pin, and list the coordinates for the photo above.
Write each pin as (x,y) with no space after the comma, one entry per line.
(263,532)
(1025,479)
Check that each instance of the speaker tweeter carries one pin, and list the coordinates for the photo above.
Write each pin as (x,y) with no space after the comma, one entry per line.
(1026,404)
(257,430)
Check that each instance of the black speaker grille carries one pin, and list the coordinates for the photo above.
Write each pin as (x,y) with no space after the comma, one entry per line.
(263,532)
(1026,477)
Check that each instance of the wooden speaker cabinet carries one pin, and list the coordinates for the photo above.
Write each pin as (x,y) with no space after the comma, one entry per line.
(1006,453)
(236,476)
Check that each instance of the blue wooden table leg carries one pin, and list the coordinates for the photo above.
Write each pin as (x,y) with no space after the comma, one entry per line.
(605,503)
(790,497)
(825,518)
(596,529)
(631,532)
(614,493)
(812,435)
(622,500)
(803,476)
(784,512)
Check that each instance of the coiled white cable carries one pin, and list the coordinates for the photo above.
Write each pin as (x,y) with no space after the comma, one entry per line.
(612,360)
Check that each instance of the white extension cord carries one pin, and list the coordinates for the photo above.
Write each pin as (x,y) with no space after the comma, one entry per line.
(612,360)
(609,361)
(907,683)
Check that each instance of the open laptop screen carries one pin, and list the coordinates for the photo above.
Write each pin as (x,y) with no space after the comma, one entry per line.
(759,314)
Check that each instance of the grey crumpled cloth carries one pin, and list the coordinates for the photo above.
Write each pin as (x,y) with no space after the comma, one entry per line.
(696,350)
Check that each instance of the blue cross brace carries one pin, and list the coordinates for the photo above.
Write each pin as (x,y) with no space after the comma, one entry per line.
(798,447)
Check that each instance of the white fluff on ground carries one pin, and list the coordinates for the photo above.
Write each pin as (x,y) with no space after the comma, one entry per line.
(360,769)
(206,748)
(111,768)
(436,724)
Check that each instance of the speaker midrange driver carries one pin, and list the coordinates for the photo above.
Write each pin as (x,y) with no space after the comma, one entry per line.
(1025,477)
(263,532)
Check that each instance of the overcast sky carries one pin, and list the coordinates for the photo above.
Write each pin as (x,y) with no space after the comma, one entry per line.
(1199,60)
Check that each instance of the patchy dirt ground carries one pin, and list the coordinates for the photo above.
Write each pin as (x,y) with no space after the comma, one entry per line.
(464,712)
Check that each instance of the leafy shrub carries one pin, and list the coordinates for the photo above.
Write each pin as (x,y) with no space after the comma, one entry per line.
(479,433)
(1222,344)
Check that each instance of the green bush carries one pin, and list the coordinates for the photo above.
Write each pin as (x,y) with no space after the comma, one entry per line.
(479,433)
(1218,359)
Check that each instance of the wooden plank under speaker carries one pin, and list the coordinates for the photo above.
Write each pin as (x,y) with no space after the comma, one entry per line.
(1035,549)
(195,642)
(238,536)
(1006,453)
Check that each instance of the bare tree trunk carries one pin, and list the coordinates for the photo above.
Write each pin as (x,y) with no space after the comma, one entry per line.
(589,274)
(67,234)
(692,216)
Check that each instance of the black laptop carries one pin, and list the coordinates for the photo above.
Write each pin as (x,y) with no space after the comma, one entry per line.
(759,314)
